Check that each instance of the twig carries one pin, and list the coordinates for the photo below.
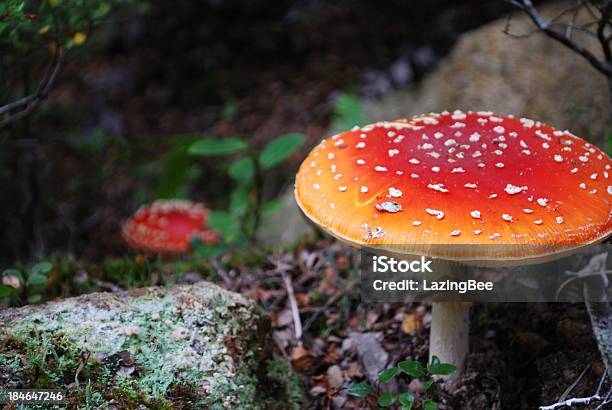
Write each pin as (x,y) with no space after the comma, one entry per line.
(528,7)
(221,272)
(320,310)
(297,322)
(573,402)
(32,101)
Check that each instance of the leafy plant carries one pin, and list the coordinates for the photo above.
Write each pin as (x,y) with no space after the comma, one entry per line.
(348,112)
(240,221)
(35,32)
(407,400)
(16,285)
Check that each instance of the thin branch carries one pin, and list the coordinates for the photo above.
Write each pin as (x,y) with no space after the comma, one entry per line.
(297,322)
(32,101)
(528,7)
(601,28)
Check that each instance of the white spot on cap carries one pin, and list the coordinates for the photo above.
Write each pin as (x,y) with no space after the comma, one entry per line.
(474,137)
(507,217)
(380,169)
(414,161)
(435,212)
(542,201)
(500,165)
(574,170)
(538,222)
(470,185)
(492,196)
(438,135)
(414,175)
(477,231)
(437,187)
(499,129)
(513,189)
(457,170)
(393,152)
(360,145)
(456,232)
(416,223)
(395,193)
(475,214)
(528,210)
(316,186)
(558,158)
(360,162)
(609,189)
(594,176)
(342,188)
(435,169)
(330,155)
(582,185)
(363,189)
(559,219)
(449,142)
(389,206)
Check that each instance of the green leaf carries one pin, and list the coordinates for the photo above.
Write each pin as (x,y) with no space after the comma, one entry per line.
(6,291)
(36,279)
(442,369)
(359,390)
(430,405)
(176,172)
(386,399)
(41,267)
(34,298)
(211,147)
(240,199)
(406,400)
(209,251)
(386,375)
(348,112)
(271,206)
(434,360)
(242,170)
(279,149)
(427,384)
(411,368)
(224,223)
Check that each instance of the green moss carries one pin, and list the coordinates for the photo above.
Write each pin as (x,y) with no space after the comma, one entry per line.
(199,346)
(286,382)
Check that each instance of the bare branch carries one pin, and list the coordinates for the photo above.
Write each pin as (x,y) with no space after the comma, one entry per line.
(601,28)
(30,102)
(527,6)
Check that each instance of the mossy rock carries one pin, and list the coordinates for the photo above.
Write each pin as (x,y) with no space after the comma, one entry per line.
(195,346)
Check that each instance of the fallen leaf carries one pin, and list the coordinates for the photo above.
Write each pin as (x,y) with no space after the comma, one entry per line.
(335,378)
(411,324)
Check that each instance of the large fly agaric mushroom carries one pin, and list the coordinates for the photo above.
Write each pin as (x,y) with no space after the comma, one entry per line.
(168,227)
(516,190)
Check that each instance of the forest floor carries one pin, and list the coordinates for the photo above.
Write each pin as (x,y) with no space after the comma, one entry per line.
(522,355)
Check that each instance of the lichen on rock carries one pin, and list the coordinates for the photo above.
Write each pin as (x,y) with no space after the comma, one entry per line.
(196,346)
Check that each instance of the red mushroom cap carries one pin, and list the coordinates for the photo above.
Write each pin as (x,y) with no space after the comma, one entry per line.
(460,178)
(168,227)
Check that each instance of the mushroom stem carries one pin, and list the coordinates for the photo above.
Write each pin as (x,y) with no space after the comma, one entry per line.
(449,337)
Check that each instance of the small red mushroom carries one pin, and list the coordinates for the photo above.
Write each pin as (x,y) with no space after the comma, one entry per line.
(168,227)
